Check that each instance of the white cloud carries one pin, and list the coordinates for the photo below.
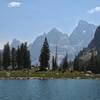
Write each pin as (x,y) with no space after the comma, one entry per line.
(14,4)
(94,10)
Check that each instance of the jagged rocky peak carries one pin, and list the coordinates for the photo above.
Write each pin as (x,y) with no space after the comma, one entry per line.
(82,34)
(54,31)
(15,43)
(82,22)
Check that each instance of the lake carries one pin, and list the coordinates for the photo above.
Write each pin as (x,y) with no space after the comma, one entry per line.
(49,89)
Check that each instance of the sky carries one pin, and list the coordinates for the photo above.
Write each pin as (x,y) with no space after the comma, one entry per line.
(27,19)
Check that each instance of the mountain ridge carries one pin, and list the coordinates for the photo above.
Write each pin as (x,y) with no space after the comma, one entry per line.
(71,44)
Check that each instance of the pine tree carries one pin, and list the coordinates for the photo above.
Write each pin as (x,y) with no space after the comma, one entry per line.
(53,63)
(18,58)
(94,63)
(91,62)
(76,63)
(26,57)
(28,60)
(98,64)
(13,58)
(55,60)
(0,61)
(23,57)
(44,56)
(24,49)
(65,63)
(56,65)
(22,52)
(6,56)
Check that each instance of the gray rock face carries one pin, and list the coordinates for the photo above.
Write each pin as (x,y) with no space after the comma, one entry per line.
(93,47)
(95,43)
(15,43)
(80,38)
(82,35)
(55,38)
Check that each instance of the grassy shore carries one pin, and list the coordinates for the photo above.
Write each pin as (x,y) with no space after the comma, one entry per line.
(46,75)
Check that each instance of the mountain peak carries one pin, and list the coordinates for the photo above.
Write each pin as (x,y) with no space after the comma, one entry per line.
(15,43)
(54,30)
(82,22)
(15,39)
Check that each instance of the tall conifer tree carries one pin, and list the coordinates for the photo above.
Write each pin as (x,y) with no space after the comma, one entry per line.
(13,58)
(44,56)
(76,63)
(53,63)
(6,56)
(18,58)
(65,63)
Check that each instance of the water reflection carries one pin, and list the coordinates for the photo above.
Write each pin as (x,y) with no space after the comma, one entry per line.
(49,90)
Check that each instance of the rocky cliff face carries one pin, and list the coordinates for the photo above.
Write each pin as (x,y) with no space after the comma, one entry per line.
(15,43)
(80,38)
(95,43)
(93,47)
(82,35)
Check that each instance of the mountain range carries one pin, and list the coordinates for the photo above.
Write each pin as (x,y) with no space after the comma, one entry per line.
(80,37)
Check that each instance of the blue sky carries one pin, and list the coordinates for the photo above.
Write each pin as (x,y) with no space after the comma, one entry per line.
(26,19)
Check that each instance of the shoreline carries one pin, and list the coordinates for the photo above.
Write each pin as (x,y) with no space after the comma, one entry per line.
(24,75)
(42,78)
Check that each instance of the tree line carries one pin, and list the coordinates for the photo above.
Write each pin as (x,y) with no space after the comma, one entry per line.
(15,59)
(93,64)
(18,59)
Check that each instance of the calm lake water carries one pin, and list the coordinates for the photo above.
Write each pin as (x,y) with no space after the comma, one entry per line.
(49,90)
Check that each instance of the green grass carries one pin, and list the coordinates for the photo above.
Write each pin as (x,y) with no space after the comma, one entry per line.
(50,74)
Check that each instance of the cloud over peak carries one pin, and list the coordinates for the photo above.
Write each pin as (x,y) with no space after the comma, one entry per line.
(14,4)
(94,10)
